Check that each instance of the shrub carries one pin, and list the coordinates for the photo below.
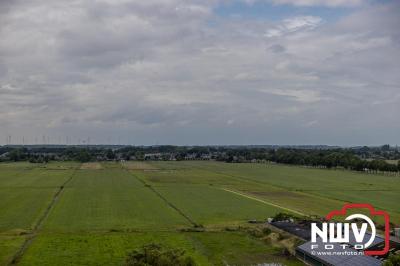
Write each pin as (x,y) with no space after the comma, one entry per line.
(283,216)
(255,232)
(157,255)
(266,231)
(393,260)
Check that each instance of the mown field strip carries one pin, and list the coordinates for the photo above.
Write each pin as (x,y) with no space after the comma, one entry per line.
(190,220)
(18,256)
(263,201)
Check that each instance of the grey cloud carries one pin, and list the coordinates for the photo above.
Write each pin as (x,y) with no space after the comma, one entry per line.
(328,3)
(277,48)
(159,70)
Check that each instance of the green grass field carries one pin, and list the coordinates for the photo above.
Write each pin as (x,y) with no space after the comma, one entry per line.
(110,199)
(297,188)
(209,248)
(95,214)
(208,205)
(9,244)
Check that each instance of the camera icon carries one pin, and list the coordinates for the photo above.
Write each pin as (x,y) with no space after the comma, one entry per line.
(372,213)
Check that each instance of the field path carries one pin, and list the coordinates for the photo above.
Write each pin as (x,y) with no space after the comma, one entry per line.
(18,256)
(163,198)
(262,201)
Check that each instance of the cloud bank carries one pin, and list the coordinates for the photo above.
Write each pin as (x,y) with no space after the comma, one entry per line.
(157,71)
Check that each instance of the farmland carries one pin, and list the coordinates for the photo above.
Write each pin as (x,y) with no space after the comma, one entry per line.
(95,213)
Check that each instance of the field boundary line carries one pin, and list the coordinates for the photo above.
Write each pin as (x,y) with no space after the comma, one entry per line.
(302,192)
(28,241)
(263,201)
(163,198)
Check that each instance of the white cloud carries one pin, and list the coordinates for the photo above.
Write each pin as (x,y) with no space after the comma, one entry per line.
(310,3)
(158,69)
(329,3)
(304,96)
(295,24)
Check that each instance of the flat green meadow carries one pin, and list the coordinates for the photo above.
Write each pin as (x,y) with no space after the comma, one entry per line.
(296,188)
(110,199)
(94,214)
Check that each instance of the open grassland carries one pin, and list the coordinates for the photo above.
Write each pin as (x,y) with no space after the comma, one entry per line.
(208,248)
(139,166)
(9,244)
(37,178)
(91,166)
(26,191)
(20,208)
(99,248)
(211,206)
(94,214)
(110,199)
(297,188)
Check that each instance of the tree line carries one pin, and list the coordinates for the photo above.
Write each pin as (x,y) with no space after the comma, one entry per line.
(383,159)
(338,158)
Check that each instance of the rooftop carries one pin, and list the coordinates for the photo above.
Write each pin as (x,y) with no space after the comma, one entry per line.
(337,256)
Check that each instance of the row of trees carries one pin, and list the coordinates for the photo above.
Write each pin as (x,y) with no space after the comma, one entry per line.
(42,155)
(330,159)
(342,158)
(353,159)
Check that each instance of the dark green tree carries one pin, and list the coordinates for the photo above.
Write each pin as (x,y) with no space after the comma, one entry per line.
(83,156)
(110,154)
(16,155)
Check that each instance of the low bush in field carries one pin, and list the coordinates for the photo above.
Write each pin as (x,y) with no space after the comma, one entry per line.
(283,216)
(393,260)
(157,255)
(266,231)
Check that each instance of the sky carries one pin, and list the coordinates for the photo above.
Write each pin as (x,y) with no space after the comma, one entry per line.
(200,72)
